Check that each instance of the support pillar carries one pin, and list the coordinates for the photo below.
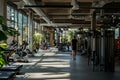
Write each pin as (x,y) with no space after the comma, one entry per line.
(51,36)
(93,27)
(93,40)
(30,32)
(57,37)
(3,5)
(93,22)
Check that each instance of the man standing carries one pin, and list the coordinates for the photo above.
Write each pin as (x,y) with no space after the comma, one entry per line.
(74,47)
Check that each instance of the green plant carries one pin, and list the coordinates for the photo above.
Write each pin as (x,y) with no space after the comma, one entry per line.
(3,37)
(68,36)
(4,31)
(37,40)
(3,58)
(2,61)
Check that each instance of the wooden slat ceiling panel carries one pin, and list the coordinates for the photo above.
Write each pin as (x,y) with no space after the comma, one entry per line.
(56,10)
(56,3)
(81,11)
(62,15)
(59,17)
(85,0)
(51,1)
(84,4)
(14,0)
(67,20)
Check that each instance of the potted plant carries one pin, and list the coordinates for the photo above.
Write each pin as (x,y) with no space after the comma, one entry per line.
(37,40)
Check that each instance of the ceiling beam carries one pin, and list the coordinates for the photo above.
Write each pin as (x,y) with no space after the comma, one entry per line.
(50,1)
(38,11)
(58,14)
(14,0)
(49,6)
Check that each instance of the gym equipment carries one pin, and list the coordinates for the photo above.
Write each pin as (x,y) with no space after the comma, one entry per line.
(14,68)
(7,67)
(21,55)
(103,50)
(7,75)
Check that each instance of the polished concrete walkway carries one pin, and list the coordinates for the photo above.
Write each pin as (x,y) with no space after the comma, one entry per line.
(47,65)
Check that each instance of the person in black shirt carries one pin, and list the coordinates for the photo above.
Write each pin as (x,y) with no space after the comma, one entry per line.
(74,47)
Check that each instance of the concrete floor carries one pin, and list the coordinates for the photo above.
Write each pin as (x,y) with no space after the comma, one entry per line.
(47,65)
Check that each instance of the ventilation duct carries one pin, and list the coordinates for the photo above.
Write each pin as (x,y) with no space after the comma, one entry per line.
(75,5)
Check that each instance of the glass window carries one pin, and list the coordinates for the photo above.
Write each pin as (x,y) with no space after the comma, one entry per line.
(19,21)
(12,24)
(8,23)
(19,17)
(20,26)
(25,28)
(12,14)
(8,12)
(20,30)
(10,20)
(116,33)
(16,16)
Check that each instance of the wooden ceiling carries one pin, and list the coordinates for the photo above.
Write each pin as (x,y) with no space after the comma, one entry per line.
(60,11)
(66,15)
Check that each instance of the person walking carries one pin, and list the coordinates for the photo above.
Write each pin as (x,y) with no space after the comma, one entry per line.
(74,47)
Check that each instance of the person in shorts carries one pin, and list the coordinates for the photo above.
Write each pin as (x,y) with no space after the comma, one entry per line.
(74,47)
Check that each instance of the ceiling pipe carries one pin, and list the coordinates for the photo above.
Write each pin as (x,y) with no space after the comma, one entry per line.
(57,24)
(38,11)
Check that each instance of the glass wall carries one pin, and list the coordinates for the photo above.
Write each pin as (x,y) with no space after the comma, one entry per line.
(36,27)
(116,33)
(10,20)
(25,28)
(20,27)
(10,16)
(18,20)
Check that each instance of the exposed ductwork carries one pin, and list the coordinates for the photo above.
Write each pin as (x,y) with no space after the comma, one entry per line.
(75,5)
(101,3)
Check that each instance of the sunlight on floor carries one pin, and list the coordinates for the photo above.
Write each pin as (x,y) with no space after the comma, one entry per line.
(50,67)
(47,75)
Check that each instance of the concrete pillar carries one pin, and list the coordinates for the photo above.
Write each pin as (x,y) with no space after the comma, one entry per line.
(93,27)
(51,39)
(30,28)
(93,21)
(57,37)
(3,5)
